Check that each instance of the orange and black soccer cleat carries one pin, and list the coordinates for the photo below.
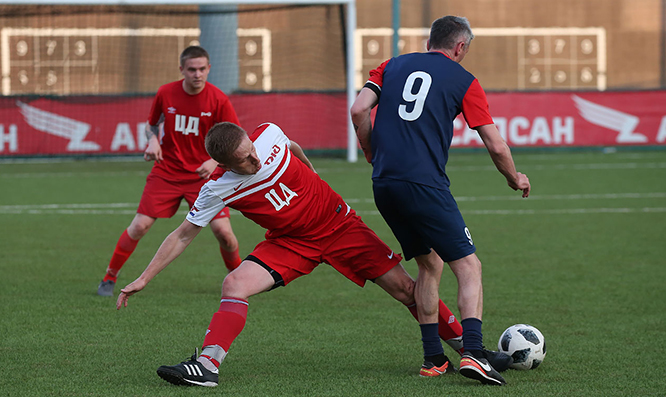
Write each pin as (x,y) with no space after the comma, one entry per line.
(479,369)
(429,369)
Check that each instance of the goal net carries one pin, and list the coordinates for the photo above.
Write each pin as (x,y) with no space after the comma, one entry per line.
(79,80)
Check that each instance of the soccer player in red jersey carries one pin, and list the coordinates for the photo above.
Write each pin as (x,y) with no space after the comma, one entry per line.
(269,180)
(188,108)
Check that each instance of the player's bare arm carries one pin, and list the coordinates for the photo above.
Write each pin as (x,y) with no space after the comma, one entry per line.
(171,248)
(298,152)
(153,151)
(360,115)
(501,155)
(207,168)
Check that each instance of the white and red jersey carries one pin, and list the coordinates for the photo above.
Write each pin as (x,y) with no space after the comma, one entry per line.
(285,196)
(187,119)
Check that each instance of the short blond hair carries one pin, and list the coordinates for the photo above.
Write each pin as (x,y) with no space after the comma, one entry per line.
(222,141)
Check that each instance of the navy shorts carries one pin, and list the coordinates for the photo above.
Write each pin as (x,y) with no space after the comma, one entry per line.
(423,218)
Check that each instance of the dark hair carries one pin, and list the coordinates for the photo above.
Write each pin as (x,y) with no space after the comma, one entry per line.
(447,31)
(222,141)
(193,51)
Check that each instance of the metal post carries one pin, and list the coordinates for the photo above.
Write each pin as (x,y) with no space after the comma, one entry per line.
(218,23)
(396,27)
(662,63)
(352,145)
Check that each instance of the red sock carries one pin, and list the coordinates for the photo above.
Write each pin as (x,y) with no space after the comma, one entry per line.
(449,327)
(227,323)
(231,259)
(124,249)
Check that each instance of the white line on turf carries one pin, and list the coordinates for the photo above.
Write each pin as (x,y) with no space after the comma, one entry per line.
(129,208)
(516,197)
(559,197)
(361,213)
(460,168)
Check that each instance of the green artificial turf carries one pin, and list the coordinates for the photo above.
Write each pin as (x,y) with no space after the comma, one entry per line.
(582,260)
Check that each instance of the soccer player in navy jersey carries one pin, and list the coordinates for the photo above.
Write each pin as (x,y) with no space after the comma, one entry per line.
(418,97)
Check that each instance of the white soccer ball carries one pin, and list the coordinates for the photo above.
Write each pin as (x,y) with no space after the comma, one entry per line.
(525,344)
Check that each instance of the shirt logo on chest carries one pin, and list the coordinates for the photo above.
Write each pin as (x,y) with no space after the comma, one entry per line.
(274,151)
(187,125)
(171,110)
(206,114)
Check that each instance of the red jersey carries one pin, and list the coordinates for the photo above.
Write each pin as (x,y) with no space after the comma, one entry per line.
(187,119)
(285,196)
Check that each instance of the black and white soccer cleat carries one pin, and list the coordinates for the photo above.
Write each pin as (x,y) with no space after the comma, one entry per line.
(188,373)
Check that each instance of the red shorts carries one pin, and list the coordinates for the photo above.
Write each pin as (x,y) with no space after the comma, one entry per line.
(353,250)
(161,198)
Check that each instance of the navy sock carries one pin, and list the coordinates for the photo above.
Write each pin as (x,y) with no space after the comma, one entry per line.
(432,346)
(472,336)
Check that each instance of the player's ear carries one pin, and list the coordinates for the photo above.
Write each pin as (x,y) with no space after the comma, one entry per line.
(428,45)
(460,47)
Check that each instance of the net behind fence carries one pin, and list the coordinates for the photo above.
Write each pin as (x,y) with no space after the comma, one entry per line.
(88,74)
(80,79)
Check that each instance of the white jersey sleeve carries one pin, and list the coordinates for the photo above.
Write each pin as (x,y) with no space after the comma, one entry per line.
(208,205)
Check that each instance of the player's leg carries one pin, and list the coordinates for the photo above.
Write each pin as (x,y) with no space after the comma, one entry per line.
(470,304)
(124,248)
(360,255)
(160,199)
(400,285)
(426,295)
(395,201)
(227,323)
(221,228)
(272,264)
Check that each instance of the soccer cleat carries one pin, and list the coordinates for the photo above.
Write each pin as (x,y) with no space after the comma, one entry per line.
(105,288)
(498,360)
(188,373)
(429,369)
(479,369)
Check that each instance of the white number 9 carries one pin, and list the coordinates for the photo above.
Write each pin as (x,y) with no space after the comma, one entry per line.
(418,98)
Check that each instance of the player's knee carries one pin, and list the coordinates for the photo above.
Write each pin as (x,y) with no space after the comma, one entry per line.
(138,228)
(226,238)
(231,286)
(408,291)
(402,290)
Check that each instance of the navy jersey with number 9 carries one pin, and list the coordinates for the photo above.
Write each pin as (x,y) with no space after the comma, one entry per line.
(420,95)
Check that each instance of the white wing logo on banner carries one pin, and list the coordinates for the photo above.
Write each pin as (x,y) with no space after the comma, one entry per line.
(57,125)
(612,119)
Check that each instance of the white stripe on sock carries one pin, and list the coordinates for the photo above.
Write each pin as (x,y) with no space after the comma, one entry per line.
(233,301)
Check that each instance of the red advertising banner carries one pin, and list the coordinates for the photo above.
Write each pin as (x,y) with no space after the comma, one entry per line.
(115,125)
(573,119)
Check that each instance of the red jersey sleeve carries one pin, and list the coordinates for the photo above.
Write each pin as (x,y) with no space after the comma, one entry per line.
(227,112)
(475,106)
(377,75)
(156,109)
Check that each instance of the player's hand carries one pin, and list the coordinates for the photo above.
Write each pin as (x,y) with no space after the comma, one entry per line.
(128,291)
(207,168)
(154,150)
(521,183)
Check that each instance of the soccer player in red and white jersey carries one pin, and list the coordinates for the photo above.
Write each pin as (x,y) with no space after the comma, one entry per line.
(269,180)
(188,108)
